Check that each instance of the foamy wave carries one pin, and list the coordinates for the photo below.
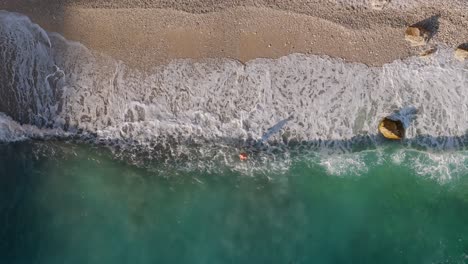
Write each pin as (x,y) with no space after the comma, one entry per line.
(440,166)
(344,164)
(203,113)
(330,101)
(11,131)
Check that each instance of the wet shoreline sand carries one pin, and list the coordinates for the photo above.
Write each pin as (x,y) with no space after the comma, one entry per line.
(144,34)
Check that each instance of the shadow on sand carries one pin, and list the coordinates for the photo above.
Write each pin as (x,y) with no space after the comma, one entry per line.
(430,24)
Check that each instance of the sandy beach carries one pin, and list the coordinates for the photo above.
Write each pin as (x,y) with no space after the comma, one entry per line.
(149,33)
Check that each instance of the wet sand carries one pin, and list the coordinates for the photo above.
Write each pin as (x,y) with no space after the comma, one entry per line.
(149,33)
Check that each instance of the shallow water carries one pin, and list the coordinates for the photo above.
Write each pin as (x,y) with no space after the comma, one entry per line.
(68,203)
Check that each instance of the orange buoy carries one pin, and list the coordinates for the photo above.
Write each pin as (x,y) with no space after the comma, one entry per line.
(243,156)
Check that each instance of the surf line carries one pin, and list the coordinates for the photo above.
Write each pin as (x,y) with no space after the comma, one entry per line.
(270,131)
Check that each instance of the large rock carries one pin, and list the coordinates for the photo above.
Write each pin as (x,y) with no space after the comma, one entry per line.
(461,53)
(392,129)
(417,36)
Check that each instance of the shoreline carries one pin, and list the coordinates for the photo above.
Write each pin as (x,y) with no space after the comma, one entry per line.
(148,36)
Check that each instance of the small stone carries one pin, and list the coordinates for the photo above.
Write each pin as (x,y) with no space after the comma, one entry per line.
(379,4)
(417,36)
(392,129)
(428,52)
(461,53)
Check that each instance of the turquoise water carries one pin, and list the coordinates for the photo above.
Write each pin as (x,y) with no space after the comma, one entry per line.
(68,203)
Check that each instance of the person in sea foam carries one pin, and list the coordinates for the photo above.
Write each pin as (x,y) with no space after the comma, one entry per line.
(254,145)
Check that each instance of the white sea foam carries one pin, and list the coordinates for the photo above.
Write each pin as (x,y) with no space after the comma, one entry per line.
(440,166)
(218,103)
(344,164)
(25,60)
(222,99)
(11,131)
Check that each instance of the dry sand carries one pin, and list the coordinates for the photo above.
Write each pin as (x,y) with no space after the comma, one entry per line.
(145,33)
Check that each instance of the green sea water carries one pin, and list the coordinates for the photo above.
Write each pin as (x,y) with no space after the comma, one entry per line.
(68,203)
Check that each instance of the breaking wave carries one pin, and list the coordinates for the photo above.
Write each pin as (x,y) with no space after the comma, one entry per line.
(201,113)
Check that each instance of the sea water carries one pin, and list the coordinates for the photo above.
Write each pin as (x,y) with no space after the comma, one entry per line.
(102,163)
(68,203)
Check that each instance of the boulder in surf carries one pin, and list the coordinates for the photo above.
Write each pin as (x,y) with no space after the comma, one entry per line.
(391,129)
(461,53)
(417,36)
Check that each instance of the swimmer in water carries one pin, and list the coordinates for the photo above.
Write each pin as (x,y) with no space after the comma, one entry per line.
(243,156)
(254,146)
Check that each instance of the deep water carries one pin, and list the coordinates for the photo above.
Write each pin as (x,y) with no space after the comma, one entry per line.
(69,203)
